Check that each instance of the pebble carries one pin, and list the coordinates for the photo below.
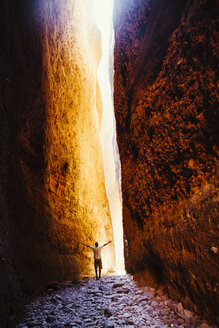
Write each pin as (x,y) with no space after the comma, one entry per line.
(108,324)
(107,313)
(112,302)
(188,313)
(204,325)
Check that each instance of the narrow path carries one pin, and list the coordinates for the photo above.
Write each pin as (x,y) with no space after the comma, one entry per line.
(113,301)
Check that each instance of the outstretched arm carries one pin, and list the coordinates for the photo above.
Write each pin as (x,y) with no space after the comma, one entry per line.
(107,243)
(86,245)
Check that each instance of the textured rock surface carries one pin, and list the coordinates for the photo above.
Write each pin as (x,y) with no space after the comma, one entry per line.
(166,111)
(52,183)
(112,302)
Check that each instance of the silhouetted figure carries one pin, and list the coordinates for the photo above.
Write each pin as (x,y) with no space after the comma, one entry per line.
(97,256)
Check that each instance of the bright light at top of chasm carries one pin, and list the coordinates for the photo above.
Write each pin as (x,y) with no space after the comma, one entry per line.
(103,13)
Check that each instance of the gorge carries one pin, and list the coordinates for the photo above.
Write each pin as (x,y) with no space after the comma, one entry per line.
(52,182)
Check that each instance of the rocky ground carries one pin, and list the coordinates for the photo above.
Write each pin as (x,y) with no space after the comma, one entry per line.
(112,301)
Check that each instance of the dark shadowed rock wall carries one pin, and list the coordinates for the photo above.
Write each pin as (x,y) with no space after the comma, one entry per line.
(52,191)
(166,112)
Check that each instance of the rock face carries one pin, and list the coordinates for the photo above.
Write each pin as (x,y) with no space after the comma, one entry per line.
(52,182)
(166,111)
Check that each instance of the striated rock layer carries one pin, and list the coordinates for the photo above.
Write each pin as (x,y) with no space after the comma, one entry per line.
(166,111)
(52,182)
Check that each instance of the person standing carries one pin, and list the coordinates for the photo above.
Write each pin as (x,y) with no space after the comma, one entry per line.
(97,257)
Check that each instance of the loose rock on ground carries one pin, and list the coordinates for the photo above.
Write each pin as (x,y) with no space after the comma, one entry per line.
(111,302)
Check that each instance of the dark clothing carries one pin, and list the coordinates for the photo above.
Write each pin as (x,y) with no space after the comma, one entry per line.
(98,264)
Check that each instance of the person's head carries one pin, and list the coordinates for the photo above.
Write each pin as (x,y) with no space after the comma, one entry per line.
(96,244)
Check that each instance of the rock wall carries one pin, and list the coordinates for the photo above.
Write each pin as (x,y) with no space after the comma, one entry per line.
(166,111)
(52,182)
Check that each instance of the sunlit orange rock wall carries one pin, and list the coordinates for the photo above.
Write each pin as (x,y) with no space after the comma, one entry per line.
(166,112)
(52,182)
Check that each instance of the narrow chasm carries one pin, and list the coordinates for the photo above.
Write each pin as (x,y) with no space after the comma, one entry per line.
(83,86)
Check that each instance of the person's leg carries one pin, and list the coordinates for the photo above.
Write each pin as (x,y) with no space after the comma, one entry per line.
(100,267)
(95,266)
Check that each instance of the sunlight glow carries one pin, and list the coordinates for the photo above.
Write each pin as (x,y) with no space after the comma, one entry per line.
(103,12)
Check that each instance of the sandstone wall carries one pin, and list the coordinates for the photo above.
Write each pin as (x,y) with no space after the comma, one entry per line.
(52,182)
(166,110)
